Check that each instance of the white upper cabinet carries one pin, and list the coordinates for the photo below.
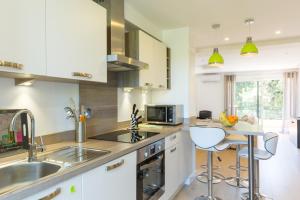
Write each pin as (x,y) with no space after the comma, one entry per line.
(76,34)
(154,53)
(160,55)
(22,36)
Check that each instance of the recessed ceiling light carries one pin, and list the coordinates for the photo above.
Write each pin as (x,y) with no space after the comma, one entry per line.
(278,32)
(226,39)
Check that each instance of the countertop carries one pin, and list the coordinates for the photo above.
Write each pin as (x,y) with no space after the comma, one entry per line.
(117,149)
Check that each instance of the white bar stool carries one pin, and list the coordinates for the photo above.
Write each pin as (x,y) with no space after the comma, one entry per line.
(270,146)
(211,140)
(236,180)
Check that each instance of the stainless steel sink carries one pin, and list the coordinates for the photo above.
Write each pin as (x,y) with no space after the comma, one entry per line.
(72,155)
(22,172)
(16,174)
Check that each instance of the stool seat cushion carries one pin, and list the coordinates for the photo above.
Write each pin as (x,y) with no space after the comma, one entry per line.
(259,154)
(219,147)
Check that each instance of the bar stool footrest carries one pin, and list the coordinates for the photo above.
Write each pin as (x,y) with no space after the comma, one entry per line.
(205,197)
(235,182)
(245,196)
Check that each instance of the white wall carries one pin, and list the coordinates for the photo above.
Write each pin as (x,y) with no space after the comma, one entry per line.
(210,95)
(45,99)
(141,21)
(127,99)
(299,93)
(179,42)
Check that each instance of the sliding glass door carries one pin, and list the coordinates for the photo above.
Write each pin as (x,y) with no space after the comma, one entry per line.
(262,99)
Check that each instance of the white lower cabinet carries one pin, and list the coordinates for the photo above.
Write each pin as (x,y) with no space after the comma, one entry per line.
(172,177)
(113,181)
(178,162)
(68,190)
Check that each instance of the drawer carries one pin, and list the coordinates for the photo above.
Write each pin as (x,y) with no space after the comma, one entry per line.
(172,140)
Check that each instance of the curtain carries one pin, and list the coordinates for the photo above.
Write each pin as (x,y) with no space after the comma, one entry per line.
(229,84)
(290,99)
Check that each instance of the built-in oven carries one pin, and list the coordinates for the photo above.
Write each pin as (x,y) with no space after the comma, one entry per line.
(164,114)
(151,171)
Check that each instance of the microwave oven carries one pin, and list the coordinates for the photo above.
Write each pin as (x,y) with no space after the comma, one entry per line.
(164,114)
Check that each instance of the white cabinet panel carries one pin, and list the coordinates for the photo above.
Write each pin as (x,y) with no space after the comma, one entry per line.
(113,183)
(68,190)
(22,35)
(160,74)
(146,48)
(76,39)
(154,53)
(172,177)
(186,155)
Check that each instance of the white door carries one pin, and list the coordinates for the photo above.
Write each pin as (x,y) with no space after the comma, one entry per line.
(113,181)
(68,190)
(76,40)
(22,36)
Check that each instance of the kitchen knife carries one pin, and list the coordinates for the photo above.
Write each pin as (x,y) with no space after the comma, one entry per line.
(136,112)
(133,109)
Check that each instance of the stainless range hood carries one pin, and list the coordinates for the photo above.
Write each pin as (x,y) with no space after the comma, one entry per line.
(117,60)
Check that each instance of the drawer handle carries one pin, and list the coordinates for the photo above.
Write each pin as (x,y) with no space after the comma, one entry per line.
(82,74)
(114,166)
(161,86)
(52,195)
(172,150)
(173,137)
(11,64)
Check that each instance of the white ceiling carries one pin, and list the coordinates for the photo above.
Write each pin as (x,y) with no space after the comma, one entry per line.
(199,15)
(280,56)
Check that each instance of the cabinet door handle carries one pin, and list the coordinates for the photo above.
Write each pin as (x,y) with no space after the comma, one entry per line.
(9,64)
(82,74)
(149,84)
(52,195)
(172,150)
(116,165)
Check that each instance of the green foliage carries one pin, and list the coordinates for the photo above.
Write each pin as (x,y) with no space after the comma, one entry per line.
(267,104)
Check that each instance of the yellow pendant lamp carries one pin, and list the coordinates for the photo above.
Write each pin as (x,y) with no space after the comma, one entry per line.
(216,59)
(249,48)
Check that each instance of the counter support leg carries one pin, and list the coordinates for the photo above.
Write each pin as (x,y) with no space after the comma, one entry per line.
(251,175)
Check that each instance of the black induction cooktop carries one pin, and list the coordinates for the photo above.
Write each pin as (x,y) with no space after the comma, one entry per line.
(126,136)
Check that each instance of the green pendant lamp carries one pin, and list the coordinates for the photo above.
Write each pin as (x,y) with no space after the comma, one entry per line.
(249,48)
(216,60)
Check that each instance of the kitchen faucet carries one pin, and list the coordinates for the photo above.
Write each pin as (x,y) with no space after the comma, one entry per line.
(32,146)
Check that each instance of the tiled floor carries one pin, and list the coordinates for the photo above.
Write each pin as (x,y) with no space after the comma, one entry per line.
(280,176)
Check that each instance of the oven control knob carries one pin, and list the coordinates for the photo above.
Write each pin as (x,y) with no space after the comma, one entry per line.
(146,154)
(159,147)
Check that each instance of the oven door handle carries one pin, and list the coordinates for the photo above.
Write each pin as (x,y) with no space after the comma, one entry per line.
(154,162)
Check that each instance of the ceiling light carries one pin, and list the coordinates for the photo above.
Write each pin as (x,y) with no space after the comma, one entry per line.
(249,48)
(127,89)
(24,81)
(216,60)
(226,39)
(278,32)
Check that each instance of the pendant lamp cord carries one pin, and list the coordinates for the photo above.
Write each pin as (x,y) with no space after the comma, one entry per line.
(249,29)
